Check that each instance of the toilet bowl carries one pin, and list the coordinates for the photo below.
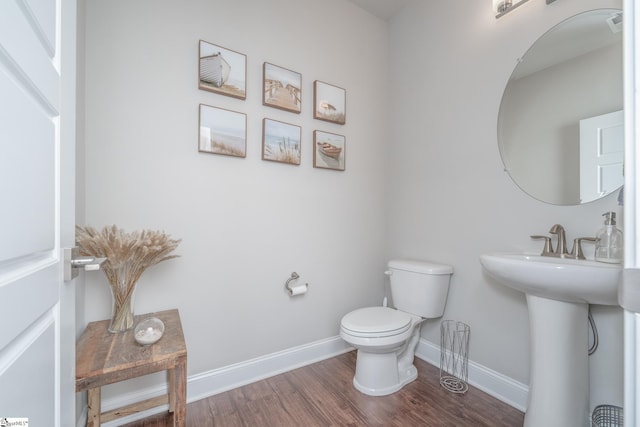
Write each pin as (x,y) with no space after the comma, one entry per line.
(381,335)
(386,337)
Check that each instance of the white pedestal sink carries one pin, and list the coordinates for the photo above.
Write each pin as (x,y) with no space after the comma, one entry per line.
(559,291)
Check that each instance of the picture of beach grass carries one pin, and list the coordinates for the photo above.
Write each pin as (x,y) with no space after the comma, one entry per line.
(222,131)
(281,142)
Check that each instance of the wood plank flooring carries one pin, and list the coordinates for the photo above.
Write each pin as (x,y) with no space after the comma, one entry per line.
(322,394)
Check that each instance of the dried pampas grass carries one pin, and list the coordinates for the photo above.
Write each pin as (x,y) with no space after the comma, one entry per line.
(128,256)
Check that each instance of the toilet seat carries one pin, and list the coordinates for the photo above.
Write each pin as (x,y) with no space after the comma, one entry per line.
(376,322)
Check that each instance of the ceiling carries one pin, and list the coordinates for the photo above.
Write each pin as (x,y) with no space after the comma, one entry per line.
(383,9)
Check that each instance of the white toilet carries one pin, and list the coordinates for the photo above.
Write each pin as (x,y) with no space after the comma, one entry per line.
(386,338)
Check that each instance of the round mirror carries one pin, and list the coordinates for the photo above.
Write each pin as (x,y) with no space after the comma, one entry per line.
(560,125)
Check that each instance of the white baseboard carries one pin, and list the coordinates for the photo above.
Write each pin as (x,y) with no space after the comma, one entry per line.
(239,374)
(216,381)
(500,386)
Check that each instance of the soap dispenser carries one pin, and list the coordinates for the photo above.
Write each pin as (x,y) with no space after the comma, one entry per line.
(609,243)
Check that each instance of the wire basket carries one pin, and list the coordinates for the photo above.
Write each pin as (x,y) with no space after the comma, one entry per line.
(454,355)
(607,416)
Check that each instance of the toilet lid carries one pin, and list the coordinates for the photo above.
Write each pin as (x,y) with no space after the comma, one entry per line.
(378,321)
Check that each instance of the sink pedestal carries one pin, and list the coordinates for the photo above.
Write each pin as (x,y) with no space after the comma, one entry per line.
(559,382)
(559,291)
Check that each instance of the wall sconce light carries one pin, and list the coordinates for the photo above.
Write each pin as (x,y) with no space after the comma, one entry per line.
(502,7)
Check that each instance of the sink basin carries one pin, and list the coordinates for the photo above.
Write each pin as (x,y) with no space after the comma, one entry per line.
(562,279)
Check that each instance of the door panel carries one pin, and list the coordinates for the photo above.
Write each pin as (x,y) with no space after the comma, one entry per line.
(27,170)
(42,13)
(30,85)
(31,393)
(23,311)
(601,155)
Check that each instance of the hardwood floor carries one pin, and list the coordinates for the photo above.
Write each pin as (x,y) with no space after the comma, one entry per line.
(322,395)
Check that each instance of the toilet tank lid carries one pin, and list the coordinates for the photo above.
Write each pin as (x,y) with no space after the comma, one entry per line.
(424,267)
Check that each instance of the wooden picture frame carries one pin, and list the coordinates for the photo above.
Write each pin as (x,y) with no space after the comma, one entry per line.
(222,70)
(329,103)
(329,150)
(281,88)
(281,142)
(222,131)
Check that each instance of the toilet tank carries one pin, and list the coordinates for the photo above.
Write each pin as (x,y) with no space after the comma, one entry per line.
(419,287)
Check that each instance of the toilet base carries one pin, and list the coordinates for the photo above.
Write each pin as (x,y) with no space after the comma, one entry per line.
(380,374)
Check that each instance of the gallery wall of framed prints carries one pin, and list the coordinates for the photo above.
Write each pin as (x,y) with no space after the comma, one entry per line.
(223,72)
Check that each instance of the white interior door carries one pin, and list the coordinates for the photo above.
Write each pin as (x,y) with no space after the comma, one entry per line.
(601,155)
(37,110)
(629,292)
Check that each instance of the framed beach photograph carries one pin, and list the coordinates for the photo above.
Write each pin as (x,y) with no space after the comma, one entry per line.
(329,103)
(222,70)
(281,88)
(281,142)
(328,150)
(222,131)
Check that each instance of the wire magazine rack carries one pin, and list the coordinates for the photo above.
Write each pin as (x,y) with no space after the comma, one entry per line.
(454,356)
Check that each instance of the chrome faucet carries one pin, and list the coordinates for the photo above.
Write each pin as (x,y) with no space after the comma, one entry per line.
(561,246)
(576,252)
(547,250)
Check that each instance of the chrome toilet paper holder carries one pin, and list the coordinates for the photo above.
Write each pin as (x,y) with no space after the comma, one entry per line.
(294,276)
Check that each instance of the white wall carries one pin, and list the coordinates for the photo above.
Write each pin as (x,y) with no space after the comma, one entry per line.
(245,224)
(449,198)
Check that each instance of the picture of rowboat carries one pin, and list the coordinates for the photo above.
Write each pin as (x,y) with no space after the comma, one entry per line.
(214,69)
(222,70)
(329,150)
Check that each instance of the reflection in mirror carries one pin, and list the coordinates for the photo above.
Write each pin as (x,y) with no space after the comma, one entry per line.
(560,128)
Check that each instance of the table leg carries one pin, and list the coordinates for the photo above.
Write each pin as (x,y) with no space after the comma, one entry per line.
(171,374)
(178,393)
(93,403)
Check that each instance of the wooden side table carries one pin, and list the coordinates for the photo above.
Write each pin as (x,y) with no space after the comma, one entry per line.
(104,358)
